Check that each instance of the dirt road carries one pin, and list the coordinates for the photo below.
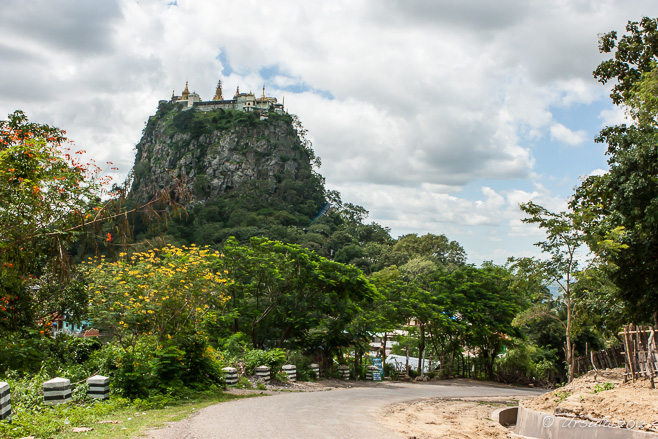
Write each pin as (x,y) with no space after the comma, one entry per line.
(339,413)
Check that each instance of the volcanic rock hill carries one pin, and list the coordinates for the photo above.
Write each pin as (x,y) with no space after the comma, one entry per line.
(220,151)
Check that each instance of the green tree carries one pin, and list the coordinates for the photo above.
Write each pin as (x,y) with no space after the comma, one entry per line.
(634,55)
(480,304)
(394,311)
(624,201)
(643,99)
(46,193)
(286,295)
(50,201)
(420,273)
(449,254)
(564,244)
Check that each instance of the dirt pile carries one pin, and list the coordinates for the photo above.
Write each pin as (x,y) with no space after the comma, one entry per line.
(603,398)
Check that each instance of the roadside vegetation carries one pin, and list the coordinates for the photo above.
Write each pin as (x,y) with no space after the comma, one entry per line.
(256,278)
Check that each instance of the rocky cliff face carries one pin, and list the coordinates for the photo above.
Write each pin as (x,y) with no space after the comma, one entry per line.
(215,152)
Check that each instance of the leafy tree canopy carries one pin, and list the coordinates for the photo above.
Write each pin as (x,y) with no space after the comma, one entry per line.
(634,54)
(623,202)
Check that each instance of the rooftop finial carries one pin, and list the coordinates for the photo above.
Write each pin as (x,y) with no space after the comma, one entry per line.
(263,91)
(186,92)
(218,93)
(237,92)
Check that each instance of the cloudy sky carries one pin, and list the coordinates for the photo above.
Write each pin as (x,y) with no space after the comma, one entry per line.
(437,116)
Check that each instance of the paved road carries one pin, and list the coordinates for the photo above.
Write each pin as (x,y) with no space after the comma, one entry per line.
(339,413)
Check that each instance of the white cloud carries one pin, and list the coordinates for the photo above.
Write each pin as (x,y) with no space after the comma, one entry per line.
(613,116)
(564,135)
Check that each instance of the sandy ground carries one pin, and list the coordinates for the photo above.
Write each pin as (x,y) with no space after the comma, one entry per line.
(625,404)
(459,418)
(598,397)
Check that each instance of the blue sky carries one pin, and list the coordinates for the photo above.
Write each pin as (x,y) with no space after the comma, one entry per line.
(436,116)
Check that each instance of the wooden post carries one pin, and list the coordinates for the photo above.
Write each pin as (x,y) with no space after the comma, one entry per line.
(651,356)
(596,371)
(627,342)
(406,366)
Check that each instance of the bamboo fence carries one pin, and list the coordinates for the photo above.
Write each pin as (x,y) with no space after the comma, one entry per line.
(640,353)
(606,359)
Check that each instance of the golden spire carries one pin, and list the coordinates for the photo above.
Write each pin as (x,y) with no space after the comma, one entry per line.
(173,95)
(263,93)
(186,92)
(218,93)
(237,92)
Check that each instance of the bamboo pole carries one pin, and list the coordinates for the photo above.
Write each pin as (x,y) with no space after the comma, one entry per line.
(627,342)
(650,358)
(596,371)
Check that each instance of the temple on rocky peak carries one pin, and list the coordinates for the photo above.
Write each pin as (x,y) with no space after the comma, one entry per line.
(246,102)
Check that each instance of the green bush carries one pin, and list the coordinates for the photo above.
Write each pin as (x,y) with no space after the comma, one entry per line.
(391,371)
(244,383)
(281,376)
(236,344)
(147,368)
(32,351)
(273,358)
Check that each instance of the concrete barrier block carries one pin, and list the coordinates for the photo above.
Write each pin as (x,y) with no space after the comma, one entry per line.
(230,375)
(291,372)
(98,387)
(263,373)
(5,402)
(344,372)
(548,426)
(373,374)
(316,370)
(57,391)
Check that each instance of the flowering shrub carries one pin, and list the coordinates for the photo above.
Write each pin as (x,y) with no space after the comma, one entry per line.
(159,293)
(156,304)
